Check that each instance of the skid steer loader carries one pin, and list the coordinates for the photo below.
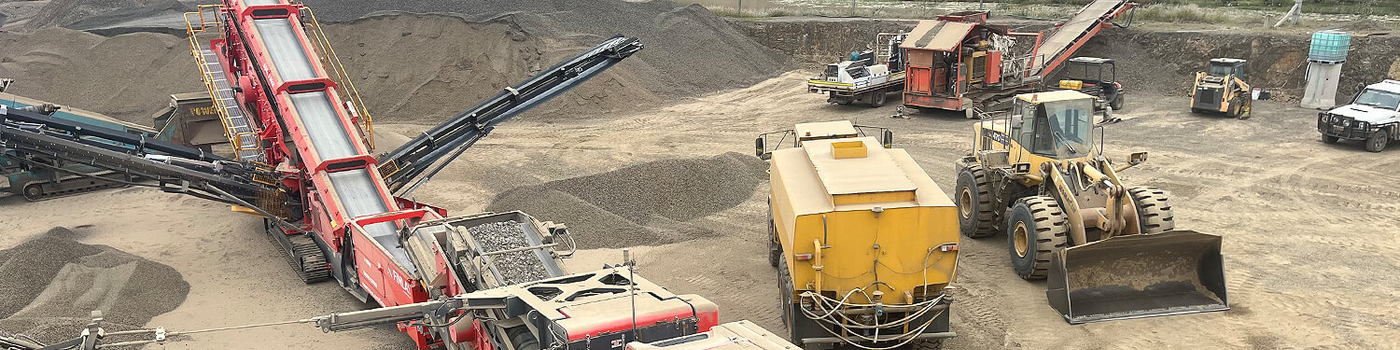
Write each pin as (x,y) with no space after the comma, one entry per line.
(1109,251)
(1222,89)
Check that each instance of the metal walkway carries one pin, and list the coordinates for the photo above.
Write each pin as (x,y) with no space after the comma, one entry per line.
(234,119)
(1058,46)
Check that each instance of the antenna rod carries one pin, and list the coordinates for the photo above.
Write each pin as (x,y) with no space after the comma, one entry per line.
(632,289)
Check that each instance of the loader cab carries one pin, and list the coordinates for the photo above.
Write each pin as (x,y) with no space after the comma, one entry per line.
(1057,125)
(1224,67)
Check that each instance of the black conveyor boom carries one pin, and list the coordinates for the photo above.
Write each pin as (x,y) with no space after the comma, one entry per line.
(418,160)
(39,140)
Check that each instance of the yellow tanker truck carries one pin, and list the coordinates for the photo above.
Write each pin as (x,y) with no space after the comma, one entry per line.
(864,241)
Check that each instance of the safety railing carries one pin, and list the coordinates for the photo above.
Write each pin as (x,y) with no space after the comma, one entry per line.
(196,23)
(346,85)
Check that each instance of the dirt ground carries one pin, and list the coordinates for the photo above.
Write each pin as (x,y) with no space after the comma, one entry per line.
(1309,227)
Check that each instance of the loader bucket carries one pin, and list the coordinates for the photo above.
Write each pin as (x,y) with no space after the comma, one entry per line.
(1170,273)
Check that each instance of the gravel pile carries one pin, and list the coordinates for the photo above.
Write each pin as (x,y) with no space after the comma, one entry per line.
(516,267)
(52,283)
(84,14)
(689,50)
(645,204)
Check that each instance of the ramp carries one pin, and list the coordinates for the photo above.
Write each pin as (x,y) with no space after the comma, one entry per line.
(1061,44)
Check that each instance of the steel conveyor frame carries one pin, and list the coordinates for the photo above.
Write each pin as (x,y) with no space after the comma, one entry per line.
(419,159)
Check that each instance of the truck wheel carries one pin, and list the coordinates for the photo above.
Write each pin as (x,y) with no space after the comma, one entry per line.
(1117,103)
(1036,229)
(877,98)
(1377,141)
(785,293)
(1154,212)
(1329,139)
(974,199)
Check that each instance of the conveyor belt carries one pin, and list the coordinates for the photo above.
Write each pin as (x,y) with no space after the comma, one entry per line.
(1075,30)
(357,190)
(285,49)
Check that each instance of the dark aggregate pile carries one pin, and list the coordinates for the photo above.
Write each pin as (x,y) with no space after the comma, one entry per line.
(516,267)
(84,14)
(689,50)
(644,204)
(52,283)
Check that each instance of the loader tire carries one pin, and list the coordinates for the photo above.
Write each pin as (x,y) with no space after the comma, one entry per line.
(976,215)
(1036,229)
(1153,209)
(1377,141)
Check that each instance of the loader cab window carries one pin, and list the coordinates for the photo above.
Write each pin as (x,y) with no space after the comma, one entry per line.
(1379,99)
(1060,129)
(832,70)
(1219,70)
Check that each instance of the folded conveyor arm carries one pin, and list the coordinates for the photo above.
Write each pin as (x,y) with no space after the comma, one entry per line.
(418,160)
(38,140)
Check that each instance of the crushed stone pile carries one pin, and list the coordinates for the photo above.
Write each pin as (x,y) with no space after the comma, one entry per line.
(476,48)
(412,61)
(515,267)
(646,204)
(85,14)
(52,283)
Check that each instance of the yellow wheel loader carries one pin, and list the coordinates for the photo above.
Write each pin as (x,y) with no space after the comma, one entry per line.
(1222,89)
(1109,251)
(864,241)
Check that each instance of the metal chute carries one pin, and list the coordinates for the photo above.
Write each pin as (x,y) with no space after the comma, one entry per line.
(1170,273)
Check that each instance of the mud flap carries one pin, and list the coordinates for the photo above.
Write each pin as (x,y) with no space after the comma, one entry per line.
(1170,273)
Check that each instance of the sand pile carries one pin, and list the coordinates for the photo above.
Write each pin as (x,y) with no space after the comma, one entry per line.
(423,68)
(127,77)
(83,14)
(645,204)
(53,282)
(485,45)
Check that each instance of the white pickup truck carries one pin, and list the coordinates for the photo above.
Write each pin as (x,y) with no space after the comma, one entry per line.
(1373,116)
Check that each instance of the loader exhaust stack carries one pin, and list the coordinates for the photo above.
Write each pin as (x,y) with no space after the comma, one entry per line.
(1135,276)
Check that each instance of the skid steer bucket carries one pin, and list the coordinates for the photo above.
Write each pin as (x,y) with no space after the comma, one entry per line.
(1170,273)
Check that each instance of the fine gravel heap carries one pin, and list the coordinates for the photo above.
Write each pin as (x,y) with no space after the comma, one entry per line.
(645,204)
(467,50)
(52,283)
(515,267)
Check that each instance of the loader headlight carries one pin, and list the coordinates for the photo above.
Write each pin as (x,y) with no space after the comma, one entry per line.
(1362,125)
(1324,117)
(1346,122)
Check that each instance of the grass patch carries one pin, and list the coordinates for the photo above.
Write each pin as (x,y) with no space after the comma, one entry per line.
(1190,13)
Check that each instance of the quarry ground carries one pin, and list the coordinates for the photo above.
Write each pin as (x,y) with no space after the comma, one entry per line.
(1308,226)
